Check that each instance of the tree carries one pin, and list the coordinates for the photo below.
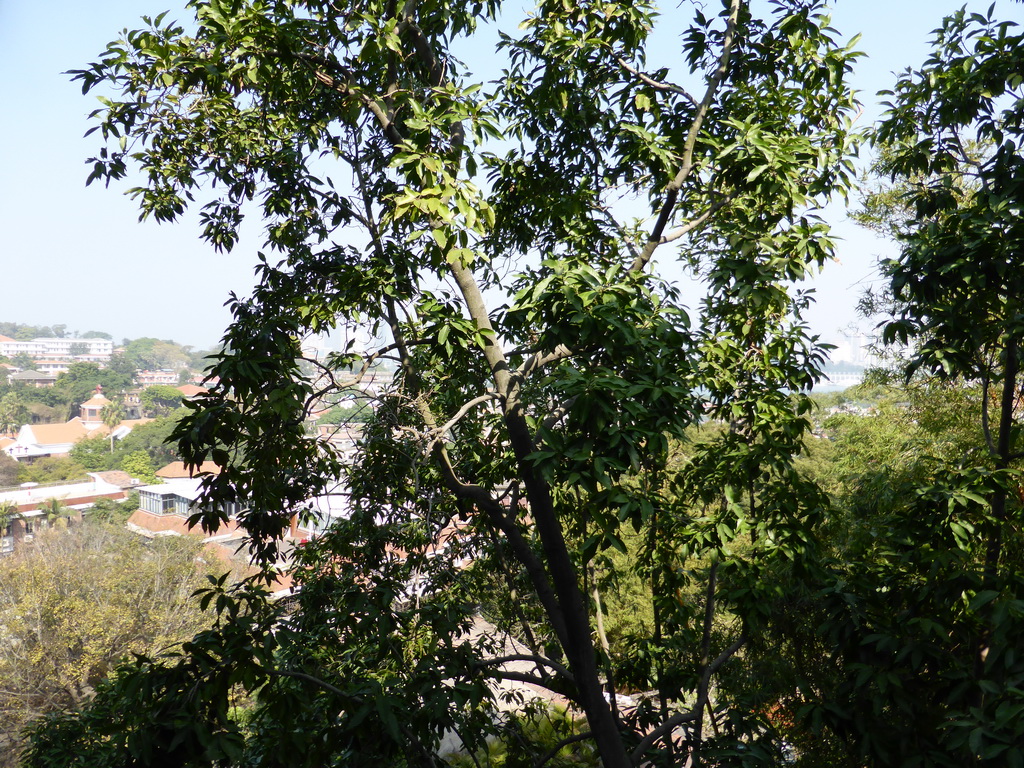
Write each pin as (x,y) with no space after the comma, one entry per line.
(957,284)
(79,382)
(122,366)
(112,414)
(140,466)
(49,469)
(160,399)
(152,438)
(22,332)
(78,348)
(23,361)
(55,510)
(921,596)
(13,412)
(519,421)
(76,604)
(8,470)
(93,453)
(153,354)
(8,511)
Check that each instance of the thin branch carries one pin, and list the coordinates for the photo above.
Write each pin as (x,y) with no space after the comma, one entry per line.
(317,682)
(691,225)
(673,187)
(687,717)
(559,413)
(442,430)
(539,360)
(705,679)
(665,728)
(986,427)
(383,118)
(725,655)
(540,661)
(524,677)
(648,80)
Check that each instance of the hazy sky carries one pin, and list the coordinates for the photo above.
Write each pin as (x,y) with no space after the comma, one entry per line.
(78,256)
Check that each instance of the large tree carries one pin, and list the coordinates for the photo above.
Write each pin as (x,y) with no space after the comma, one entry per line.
(79,382)
(160,399)
(952,139)
(921,592)
(79,601)
(14,412)
(521,248)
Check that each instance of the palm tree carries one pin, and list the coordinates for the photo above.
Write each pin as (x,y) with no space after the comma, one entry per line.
(54,509)
(111,415)
(8,511)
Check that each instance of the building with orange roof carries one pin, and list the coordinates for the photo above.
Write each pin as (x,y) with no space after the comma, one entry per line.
(37,440)
(191,390)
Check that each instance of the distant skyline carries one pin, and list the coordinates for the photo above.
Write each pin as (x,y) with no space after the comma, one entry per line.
(78,256)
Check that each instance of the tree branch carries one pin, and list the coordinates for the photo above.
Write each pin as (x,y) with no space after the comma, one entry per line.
(539,762)
(646,79)
(691,225)
(442,430)
(672,190)
(559,413)
(384,119)
(540,359)
(525,677)
(540,661)
(687,717)
(667,727)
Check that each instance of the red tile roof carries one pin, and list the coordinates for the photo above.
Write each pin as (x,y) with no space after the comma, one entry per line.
(178,469)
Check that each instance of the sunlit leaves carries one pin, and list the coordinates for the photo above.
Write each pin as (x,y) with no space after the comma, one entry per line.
(542,370)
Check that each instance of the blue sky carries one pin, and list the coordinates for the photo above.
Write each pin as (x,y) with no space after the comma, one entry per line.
(78,256)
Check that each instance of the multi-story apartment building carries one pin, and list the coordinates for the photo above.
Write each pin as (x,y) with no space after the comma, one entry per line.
(95,349)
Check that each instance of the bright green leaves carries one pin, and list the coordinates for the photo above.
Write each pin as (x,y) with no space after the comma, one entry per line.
(540,371)
(627,384)
(961,258)
(925,594)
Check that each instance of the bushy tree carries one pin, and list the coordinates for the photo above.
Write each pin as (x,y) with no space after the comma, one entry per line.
(79,383)
(160,399)
(153,438)
(50,469)
(148,353)
(139,465)
(14,412)
(920,597)
(78,602)
(544,357)
(22,332)
(8,470)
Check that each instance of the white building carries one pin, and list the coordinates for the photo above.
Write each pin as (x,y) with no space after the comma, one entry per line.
(96,349)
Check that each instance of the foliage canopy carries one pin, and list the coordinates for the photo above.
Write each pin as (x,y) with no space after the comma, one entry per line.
(565,436)
(519,247)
